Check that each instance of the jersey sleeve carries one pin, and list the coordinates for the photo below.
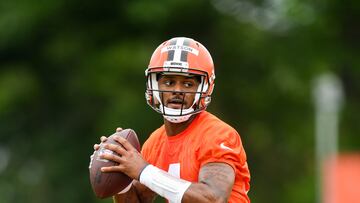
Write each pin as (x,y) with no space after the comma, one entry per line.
(222,145)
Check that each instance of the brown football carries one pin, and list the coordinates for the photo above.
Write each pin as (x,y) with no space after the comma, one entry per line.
(108,184)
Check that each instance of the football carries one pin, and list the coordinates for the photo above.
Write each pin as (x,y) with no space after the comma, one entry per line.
(108,184)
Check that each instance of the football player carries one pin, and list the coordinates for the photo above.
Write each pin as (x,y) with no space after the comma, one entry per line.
(194,156)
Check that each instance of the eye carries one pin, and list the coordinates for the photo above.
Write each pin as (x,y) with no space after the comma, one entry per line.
(188,84)
(168,82)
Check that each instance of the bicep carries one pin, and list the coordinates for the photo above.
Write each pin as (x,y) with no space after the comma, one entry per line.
(215,184)
(218,176)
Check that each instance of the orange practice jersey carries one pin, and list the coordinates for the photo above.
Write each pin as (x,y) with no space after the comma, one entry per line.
(207,139)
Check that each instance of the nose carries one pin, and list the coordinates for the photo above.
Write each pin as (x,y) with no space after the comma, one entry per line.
(177,89)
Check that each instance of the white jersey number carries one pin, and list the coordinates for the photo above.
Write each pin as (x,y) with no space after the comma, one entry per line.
(174,170)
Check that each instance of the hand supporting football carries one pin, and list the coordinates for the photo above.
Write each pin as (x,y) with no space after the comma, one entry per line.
(130,160)
(108,184)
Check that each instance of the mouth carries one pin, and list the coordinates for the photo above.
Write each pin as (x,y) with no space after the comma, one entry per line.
(176,103)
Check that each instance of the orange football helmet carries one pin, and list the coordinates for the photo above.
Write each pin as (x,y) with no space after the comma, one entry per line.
(180,56)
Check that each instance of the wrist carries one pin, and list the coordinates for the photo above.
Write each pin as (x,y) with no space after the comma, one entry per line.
(164,184)
(141,171)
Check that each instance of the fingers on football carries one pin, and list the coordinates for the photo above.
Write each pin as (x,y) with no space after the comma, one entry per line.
(96,147)
(116,148)
(103,139)
(118,168)
(118,129)
(124,143)
(111,157)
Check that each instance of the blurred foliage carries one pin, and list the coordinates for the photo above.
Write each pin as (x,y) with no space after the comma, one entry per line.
(72,71)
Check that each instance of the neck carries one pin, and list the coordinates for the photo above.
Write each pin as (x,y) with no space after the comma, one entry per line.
(176,128)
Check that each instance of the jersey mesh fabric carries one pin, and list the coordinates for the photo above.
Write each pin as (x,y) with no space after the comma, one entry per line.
(207,139)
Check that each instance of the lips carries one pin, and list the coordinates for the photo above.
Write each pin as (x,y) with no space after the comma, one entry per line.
(176,103)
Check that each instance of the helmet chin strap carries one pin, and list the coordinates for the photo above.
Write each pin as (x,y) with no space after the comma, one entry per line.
(177,119)
(175,115)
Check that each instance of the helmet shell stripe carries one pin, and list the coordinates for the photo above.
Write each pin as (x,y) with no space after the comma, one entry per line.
(171,52)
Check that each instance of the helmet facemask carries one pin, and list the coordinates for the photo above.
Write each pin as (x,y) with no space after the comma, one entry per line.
(155,96)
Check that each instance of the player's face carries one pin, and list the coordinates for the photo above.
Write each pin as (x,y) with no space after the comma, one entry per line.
(177,85)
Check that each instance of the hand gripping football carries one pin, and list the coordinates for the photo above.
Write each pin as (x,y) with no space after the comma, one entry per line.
(108,184)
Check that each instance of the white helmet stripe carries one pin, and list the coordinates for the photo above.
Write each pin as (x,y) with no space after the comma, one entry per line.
(177,54)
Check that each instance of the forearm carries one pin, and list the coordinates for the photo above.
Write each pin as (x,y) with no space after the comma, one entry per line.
(137,193)
(127,197)
(181,191)
(215,184)
(202,193)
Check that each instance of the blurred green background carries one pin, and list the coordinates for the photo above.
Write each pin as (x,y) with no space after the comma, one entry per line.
(72,71)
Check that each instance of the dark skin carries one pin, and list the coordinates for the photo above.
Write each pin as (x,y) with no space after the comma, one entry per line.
(215,179)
